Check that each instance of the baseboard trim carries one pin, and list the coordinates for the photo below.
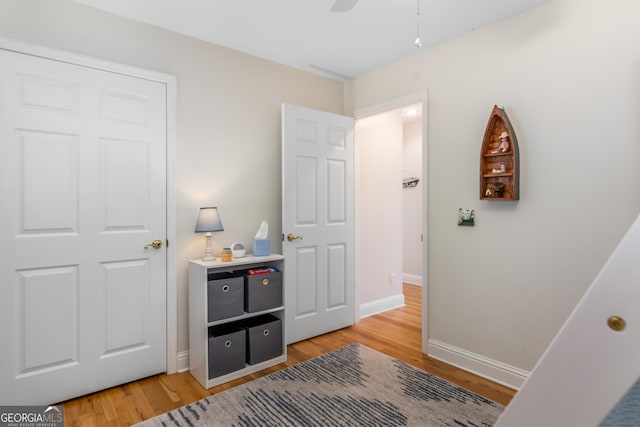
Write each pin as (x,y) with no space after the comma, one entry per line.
(412,279)
(183,361)
(485,367)
(381,305)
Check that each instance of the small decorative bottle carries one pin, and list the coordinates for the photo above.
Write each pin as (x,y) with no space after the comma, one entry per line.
(225,255)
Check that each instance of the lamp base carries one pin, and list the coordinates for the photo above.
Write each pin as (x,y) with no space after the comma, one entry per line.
(208,251)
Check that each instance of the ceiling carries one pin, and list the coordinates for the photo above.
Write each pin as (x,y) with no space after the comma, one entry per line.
(305,34)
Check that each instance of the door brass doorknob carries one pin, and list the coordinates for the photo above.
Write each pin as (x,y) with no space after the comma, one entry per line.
(291,237)
(156,244)
(616,323)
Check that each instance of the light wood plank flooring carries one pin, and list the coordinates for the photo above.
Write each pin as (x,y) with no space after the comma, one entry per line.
(396,333)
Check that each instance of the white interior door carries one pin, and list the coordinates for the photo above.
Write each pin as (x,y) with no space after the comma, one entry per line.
(593,361)
(318,209)
(82,165)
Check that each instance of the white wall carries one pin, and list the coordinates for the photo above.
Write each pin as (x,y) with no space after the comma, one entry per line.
(412,202)
(228,150)
(568,74)
(378,156)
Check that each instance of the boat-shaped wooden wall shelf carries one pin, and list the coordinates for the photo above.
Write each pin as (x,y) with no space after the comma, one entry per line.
(499,159)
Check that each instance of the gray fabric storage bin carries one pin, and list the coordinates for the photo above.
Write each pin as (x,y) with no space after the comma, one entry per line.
(225,295)
(262,291)
(264,338)
(227,349)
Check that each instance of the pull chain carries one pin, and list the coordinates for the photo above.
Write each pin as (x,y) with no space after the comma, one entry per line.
(417,42)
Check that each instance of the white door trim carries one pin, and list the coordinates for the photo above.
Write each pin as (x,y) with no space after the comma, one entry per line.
(171,83)
(418,97)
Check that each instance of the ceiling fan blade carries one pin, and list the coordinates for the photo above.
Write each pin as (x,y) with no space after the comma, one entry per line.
(343,5)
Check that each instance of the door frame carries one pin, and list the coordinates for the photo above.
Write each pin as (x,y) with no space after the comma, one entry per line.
(414,98)
(170,81)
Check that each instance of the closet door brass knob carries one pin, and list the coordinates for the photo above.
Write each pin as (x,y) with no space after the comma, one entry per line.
(156,244)
(616,323)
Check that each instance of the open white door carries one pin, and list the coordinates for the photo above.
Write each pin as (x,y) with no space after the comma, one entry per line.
(595,358)
(317,221)
(83,172)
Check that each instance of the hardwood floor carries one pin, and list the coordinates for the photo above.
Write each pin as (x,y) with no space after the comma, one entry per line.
(396,333)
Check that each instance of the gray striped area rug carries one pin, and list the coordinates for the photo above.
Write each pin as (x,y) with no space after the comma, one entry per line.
(351,386)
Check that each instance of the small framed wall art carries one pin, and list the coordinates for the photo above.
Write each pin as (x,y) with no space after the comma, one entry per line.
(466,217)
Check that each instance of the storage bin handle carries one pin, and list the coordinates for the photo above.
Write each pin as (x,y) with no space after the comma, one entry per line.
(265,282)
(227,343)
(265,332)
(225,288)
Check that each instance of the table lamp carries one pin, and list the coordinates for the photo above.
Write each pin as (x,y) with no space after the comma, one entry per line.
(208,222)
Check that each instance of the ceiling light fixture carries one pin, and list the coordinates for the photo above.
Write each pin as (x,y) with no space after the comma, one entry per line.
(417,42)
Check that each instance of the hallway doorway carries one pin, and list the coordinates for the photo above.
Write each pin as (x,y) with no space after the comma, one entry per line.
(390,141)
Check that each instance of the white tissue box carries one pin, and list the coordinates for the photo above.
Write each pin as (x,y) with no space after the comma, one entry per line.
(261,247)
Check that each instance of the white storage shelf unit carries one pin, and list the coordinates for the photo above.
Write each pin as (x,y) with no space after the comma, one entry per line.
(198,316)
